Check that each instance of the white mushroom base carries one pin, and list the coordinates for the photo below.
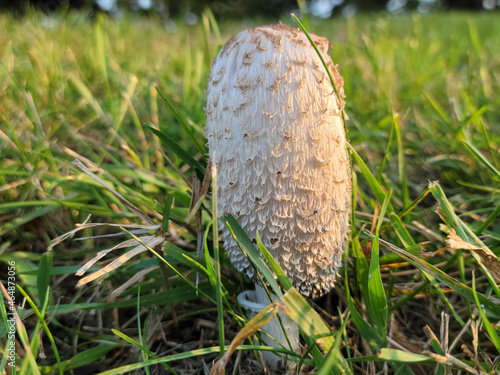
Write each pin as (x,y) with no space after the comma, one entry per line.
(254,301)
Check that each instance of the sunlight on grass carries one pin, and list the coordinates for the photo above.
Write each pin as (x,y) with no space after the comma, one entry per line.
(419,287)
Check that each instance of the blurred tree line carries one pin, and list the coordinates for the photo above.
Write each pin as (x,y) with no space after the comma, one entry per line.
(236,8)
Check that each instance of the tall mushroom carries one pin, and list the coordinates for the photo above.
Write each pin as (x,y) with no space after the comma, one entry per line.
(275,133)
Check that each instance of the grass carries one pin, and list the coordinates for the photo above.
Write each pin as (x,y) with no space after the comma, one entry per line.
(418,292)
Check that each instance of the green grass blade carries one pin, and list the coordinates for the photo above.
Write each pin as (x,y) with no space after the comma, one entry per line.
(492,333)
(287,285)
(401,231)
(35,335)
(396,355)
(435,344)
(215,26)
(319,55)
(479,156)
(249,249)
(491,146)
(83,358)
(372,181)
(162,259)
(45,327)
(365,329)
(377,299)
(182,122)
(43,275)
(20,330)
(206,36)
(140,346)
(209,270)
(332,81)
(438,108)
(415,203)
(474,37)
(166,211)
(387,150)
(21,220)
(308,320)
(218,283)
(334,360)
(448,215)
(180,152)
(401,368)
(101,51)
(377,303)
(408,297)
(10,344)
(139,329)
(362,269)
(343,323)
(179,357)
(282,277)
(488,220)
(492,308)
(164,298)
(438,289)
(401,162)
(87,94)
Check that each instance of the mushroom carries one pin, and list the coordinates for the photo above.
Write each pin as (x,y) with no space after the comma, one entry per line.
(275,133)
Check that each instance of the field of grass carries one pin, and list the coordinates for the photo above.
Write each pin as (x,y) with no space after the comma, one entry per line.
(419,289)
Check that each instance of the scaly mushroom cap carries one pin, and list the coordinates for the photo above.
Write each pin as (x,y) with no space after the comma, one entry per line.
(275,133)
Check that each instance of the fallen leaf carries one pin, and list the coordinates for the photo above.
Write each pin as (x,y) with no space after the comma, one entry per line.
(488,259)
(253,325)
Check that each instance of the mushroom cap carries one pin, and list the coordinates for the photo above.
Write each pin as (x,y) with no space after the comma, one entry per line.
(275,133)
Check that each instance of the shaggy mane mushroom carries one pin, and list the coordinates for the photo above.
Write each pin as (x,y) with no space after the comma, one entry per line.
(275,133)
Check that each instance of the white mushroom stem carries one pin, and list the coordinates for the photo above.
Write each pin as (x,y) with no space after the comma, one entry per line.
(254,301)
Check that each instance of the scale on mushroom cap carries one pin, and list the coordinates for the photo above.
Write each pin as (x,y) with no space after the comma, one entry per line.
(275,133)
